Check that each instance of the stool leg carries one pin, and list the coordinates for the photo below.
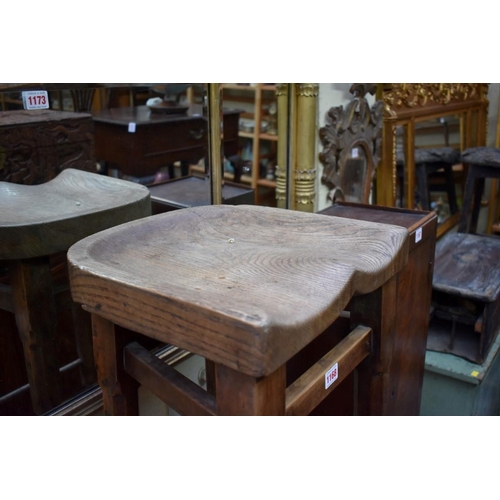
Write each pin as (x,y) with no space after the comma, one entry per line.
(376,310)
(467,203)
(171,171)
(450,189)
(210,374)
(240,394)
(184,168)
(423,185)
(83,338)
(36,320)
(119,390)
(477,205)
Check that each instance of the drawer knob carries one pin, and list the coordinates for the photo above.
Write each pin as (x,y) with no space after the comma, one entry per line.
(197,134)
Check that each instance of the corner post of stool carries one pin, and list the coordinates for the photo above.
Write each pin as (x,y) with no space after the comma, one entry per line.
(35,311)
(423,185)
(376,310)
(241,394)
(468,199)
(83,338)
(119,390)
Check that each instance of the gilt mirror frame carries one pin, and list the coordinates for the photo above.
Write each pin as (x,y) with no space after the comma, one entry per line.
(357,126)
(406,104)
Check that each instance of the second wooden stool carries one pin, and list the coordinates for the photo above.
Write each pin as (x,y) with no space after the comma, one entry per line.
(39,221)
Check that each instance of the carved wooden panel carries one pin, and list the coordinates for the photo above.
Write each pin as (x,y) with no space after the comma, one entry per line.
(351,142)
(401,97)
(35,146)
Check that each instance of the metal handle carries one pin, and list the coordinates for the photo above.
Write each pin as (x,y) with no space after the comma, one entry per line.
(197,134)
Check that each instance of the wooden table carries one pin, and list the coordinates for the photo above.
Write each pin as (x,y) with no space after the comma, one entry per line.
(406,352)
(195,192)
(159,139)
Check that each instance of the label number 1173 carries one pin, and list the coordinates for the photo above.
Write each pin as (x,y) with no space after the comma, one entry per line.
(36,99)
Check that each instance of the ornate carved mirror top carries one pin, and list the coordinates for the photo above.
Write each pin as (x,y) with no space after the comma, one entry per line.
(408,98)
(351,142)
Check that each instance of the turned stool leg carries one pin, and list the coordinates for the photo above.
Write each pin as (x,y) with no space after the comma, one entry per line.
(35,311)
(240,394)
(377,311)
(119,390)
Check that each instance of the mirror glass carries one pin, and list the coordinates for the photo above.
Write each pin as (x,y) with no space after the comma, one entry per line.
(355,174)
(442,173)
(438,180)
(152,134)
(257,138)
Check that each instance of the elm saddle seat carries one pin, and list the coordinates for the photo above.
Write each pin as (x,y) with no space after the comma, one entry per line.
(429,161)
(37,222)
(466,282)
(247,287)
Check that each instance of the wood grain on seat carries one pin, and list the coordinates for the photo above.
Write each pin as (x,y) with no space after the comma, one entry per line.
(260,283)
(49,218)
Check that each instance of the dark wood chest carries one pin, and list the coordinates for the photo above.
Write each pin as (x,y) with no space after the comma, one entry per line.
(36,145)
(405,354)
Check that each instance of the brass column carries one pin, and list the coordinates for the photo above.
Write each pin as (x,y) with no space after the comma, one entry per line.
(297,126)
(386,172)
(305,168)
(283,144)
(215,154)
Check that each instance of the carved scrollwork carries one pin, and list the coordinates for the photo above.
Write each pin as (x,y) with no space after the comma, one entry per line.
(356,126)
(411,95)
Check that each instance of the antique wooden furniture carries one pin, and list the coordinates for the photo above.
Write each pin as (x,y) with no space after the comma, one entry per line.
(35,223)
(412,303)
(406,105)
(37,145)
(430,161)
(247,287)
(467,278)
(139,142)
(454,386)
(260,100)
(351,142)
(194,192)
(482,163)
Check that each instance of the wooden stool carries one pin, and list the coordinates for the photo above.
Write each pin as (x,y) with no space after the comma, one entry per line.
(246,287)
(466,284)
(428,162)
(39,221)
(483,163)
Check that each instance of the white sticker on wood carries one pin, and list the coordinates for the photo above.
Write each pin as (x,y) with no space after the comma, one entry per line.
(331,375)
(35,99)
